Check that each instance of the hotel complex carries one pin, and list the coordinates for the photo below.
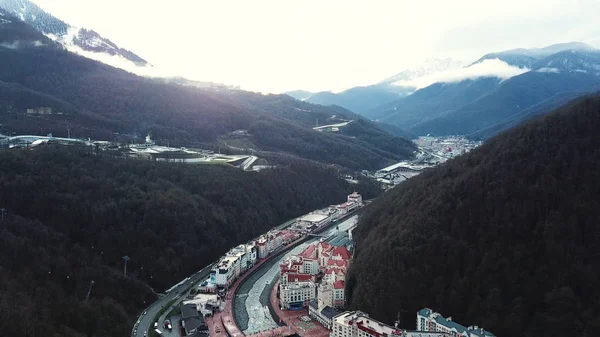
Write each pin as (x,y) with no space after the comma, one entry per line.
(317,274)
(241,258)
(429,324)
(428,320)
(359,324)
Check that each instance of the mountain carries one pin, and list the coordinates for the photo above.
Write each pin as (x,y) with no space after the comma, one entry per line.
(504,237)
(528,57)
(428,67)
(484,106)
(433,100)
(361,99)
(72,38)
(14,33)
(87,211)
(558,77)
(105,103)
(301,95)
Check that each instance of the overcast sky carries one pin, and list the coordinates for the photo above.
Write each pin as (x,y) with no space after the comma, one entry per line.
(278,45)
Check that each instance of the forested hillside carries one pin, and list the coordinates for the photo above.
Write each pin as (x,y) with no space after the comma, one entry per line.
(71,216)
(97,101)
(505,237)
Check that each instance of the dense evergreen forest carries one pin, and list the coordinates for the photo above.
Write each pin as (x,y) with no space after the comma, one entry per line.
(70,217)
(104,103)
(505,237)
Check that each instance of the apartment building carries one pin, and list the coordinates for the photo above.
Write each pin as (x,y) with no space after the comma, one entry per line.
(359,324)
(296,295)
(431,321)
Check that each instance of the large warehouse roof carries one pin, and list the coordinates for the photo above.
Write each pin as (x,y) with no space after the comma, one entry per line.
(314,217)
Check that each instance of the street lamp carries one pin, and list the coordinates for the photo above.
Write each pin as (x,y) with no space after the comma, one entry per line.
(125,258)
(89,291)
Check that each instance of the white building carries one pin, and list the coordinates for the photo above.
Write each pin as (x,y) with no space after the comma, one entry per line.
(331,294)
(347,207)
(223,273)
(268,242)
(206,304)
(314,220)
(297,295)
(359,324)
(239,260)
(431,321)
(355,198)
(262,248)
(252,252)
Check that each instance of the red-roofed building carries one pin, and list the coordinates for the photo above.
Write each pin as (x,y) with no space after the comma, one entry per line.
(331,260)
(341,253)
(339,295)
(340,264)
(292,264)
(331,294)
(293,277)
(309,252)
(324,250)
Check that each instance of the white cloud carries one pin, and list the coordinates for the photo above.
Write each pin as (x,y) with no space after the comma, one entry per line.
(487,68)
(122,63)
(274,45)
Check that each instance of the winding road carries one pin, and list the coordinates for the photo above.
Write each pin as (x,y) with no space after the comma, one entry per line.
(147,318)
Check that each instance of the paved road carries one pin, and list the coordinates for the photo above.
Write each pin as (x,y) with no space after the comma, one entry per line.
(248,162)
(147,320)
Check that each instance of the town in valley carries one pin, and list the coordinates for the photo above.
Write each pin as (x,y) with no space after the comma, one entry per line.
(289,281)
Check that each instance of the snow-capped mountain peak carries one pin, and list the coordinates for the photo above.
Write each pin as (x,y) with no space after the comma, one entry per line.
(574,60)
(79,40)
(427,67)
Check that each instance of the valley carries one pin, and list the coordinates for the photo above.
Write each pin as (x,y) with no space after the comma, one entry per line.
(361,169)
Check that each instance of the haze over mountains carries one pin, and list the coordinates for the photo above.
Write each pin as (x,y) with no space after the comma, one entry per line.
(439,97)
(505,236)
(105,103)
(362,99)
(497,91)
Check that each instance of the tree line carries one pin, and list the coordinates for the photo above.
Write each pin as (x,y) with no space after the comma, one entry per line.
(505,237)
(72,215)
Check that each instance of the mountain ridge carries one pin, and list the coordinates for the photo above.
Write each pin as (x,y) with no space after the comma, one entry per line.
(107,103)
(361,99)
(69,36)
(503,236)
(570,69)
